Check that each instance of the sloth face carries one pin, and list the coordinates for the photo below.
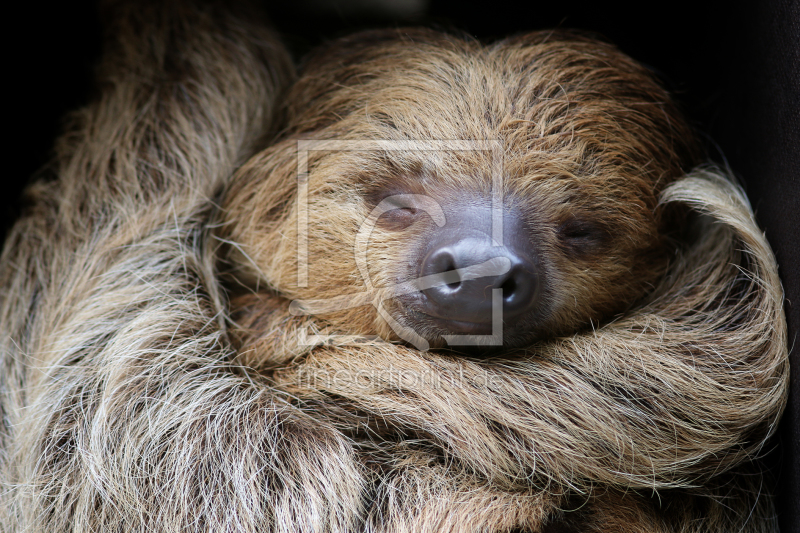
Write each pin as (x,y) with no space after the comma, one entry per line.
(445,254)
(461,190)
(481,265)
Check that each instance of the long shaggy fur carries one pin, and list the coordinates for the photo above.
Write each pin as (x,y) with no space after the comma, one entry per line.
(128,403)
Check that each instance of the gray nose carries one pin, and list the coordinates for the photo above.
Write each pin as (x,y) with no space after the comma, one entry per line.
(466,296)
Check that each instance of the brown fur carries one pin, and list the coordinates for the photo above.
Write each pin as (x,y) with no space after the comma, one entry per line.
(586,136)
(588,140)
(124,405)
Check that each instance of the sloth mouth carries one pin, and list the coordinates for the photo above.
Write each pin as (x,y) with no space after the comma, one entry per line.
(418,317)
(450,326)
(414,315)
(412,312)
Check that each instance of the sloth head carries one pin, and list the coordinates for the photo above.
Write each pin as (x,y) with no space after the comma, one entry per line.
(432,184)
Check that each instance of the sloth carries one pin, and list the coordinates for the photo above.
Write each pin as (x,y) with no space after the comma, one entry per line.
(580,143)
(509,197)
(431,285)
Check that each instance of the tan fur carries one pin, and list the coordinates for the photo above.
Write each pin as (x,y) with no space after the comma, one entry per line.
(124,404)
(585,132)
(677,391)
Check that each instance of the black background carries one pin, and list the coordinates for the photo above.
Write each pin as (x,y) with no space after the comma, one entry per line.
(734,66)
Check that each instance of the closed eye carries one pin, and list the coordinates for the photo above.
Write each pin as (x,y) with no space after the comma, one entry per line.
(402,213)
(582,236)
(575,229)
(577,233)
(399,219)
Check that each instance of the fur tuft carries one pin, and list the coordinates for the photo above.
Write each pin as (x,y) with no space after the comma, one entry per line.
(128,404)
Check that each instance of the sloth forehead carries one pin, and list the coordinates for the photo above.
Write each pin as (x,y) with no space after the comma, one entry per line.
(546,191)
(567,134)
(419,85)
(567,115)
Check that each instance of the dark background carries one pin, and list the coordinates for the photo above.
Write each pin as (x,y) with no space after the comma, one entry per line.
(734,66)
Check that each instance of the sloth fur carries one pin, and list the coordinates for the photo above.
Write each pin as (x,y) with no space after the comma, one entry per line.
(135,396)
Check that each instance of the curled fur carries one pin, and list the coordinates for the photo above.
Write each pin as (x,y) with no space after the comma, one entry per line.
(124,404)
(668,398)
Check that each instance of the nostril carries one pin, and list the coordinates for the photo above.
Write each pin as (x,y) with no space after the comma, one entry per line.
(443,262)
(466,297)
(509,286)
(519,289)
(456,279)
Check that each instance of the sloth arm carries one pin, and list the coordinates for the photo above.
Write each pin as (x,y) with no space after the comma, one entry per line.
(120,408)
(679,390)
(678,396)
